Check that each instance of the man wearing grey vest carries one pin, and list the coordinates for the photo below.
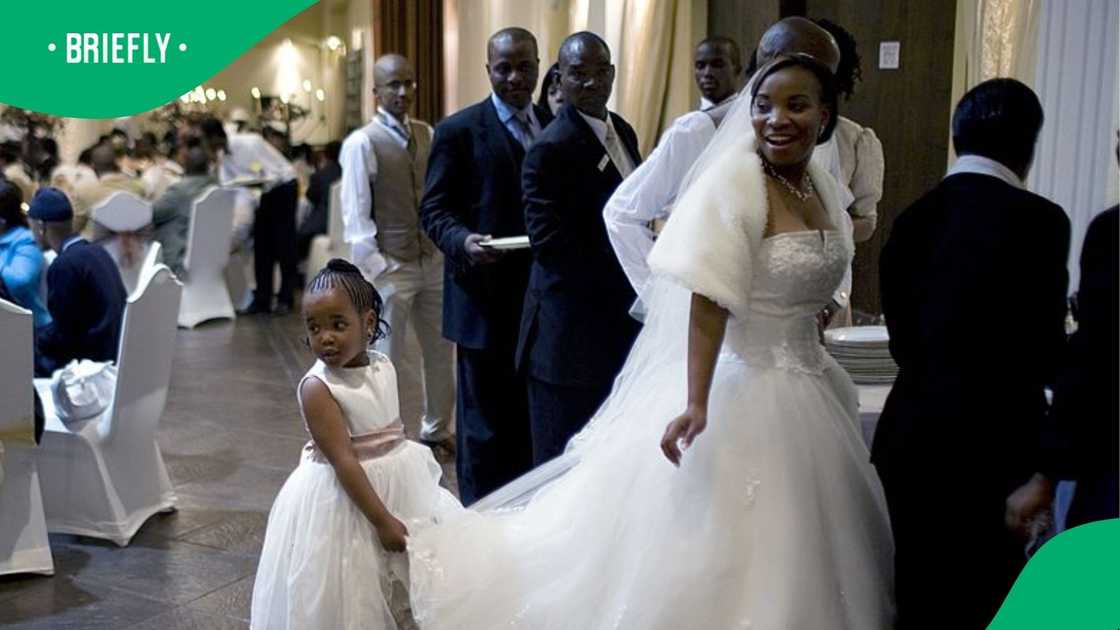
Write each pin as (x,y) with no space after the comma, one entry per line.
(383,168)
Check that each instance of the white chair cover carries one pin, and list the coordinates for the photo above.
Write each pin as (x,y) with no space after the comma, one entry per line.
(323,248)
(104,477)
(125,213)
(205,294)
(24,547)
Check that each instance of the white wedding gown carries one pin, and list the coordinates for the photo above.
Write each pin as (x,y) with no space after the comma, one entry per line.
(775,519)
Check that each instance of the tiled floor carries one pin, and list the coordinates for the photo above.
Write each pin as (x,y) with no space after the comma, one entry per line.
(230,435)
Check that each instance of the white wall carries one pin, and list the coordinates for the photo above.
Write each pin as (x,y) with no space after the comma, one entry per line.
(1075,165)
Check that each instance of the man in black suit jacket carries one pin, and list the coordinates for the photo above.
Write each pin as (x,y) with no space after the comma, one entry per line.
(576,329)
(974,293)
(1083,427)
(85,294)
(473,191)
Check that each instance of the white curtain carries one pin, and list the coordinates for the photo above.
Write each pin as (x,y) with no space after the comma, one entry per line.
(1075,164)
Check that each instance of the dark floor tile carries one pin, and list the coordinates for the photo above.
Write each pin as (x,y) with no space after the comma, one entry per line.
(246,488)
(240,532)
(184,618)
(168,571)
(61,603)
(233,601)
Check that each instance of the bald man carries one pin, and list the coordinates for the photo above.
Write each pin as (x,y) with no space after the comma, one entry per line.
(652,189)
(383,170)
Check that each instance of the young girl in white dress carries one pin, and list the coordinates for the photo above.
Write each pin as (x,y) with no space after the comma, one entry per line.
(332,551)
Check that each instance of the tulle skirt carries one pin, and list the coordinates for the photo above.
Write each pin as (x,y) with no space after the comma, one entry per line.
(775,520)
(322,565)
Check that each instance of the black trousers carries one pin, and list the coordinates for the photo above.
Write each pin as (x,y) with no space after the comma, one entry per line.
(955,561)
(274,241)
(492,421)
(557,412)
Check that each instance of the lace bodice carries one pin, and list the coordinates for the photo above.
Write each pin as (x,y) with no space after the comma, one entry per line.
(795,276)
(366,395)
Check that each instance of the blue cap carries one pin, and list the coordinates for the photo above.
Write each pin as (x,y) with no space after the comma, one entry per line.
(50,204)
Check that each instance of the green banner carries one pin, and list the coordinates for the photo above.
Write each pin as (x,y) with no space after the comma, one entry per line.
(105,59)
(1072,583)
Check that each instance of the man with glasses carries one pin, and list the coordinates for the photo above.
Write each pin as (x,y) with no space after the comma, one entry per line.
(383,169)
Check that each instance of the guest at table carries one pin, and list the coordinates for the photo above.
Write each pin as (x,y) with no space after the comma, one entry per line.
(109,180)
(249,156)
(171,213)
(85,294)
(319,195)
(21,260)
(11,167)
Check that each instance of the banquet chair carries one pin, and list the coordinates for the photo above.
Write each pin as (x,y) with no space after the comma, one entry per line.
(205,294)
(24,547)
(331,245)
(151,259)
(104,476)
(125,215)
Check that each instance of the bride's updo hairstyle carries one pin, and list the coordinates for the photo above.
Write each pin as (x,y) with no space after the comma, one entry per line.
(342,274)
(830,97)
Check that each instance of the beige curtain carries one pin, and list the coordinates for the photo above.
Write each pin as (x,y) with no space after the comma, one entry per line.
(651,42)
(994,38)
(654,60)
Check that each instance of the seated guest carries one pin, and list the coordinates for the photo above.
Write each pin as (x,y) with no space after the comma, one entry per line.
(165,168)
(109,180)
(21,260)
(171,213)
(957,445)
(85,294)
(12,169)
(319,195)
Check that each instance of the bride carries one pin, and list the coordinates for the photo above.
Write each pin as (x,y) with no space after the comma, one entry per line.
(760,510)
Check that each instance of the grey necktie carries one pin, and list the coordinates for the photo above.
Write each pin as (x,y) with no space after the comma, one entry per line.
(524,131)
(617,152)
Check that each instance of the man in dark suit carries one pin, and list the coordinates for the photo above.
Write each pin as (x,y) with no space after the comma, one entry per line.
(1083,426)
(974,293)
(85,294)
(473,192)
(576,329)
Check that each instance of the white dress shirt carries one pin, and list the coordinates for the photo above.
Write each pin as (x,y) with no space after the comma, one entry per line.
(981,165)
(652,189)
(604,130)
(249,156)
(359,168)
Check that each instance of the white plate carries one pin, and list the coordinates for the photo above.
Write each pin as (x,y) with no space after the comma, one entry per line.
(508,242)
(859,335)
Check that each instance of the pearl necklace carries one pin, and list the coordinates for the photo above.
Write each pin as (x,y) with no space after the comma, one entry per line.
(803,193)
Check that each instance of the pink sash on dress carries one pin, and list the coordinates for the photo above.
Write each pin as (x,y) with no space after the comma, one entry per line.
(366,446)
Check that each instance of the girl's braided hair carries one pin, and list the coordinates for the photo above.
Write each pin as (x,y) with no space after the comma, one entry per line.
(342,274)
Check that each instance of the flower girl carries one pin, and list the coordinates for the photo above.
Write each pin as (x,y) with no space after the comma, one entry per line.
(331,556)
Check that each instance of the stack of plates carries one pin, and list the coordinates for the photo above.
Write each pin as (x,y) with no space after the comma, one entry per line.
(863,351)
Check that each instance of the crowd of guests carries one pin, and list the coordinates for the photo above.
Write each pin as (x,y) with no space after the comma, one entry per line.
(47,210)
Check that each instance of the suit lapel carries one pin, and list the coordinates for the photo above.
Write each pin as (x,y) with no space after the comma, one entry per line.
(498,140)
(590,145)
(628,141)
